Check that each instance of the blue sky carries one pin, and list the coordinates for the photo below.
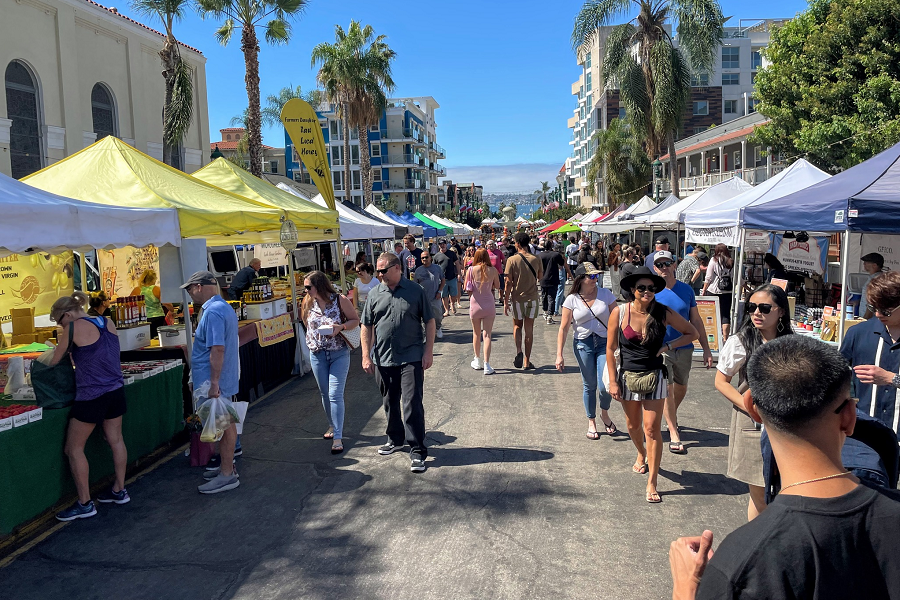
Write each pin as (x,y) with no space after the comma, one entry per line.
(501,71)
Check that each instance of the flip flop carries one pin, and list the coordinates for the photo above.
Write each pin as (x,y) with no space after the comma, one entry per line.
(337,449)
(611,426)
(653,498)
(530,366)
(328,435)
(642,470)
(677,448)
(593,435)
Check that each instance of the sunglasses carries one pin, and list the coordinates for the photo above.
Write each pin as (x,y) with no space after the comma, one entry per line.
(383,271)
(308,287)
(838,410)
(646,288)
(885,313)
(665,265)
(594,276)
(763,308)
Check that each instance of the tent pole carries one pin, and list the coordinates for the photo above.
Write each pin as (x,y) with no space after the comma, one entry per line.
(83,272)
(296,299)
(340,254)
(372,250)
(845,267)
(739,280)
(186,299)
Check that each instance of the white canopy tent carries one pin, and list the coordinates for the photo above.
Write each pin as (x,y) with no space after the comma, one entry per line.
(674,215)
(415,230)
(576,217)
(35,220)
(624,221)
(489,221)
(721,223)
(458,229)
(354,226)
(591,216)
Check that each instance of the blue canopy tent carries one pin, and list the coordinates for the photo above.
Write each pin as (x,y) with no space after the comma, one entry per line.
(864,198)
(409,218)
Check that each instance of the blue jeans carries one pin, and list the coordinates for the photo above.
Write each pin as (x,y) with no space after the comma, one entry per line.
(591,356)
(330,369)
(561,292)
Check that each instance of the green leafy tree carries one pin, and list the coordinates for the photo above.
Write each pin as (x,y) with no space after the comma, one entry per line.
(652,75)
(355,72)
(627,166)
(832,88)
(271,112)
(274,17)
(542,192)
(178,107)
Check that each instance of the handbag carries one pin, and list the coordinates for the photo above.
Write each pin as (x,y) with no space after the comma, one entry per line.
(55,387)
(351,336)
(641,382)
(470,281)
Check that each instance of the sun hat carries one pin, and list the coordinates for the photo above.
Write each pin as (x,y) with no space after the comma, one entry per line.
(628,283)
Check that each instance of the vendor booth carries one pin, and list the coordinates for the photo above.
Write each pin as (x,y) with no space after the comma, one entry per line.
(373,210)
(428,231)
(439,227)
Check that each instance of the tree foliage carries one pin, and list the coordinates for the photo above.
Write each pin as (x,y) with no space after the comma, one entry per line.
(271,112)
(832,88)
(628,168)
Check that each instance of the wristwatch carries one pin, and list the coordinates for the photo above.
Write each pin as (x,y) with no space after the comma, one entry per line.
(896,380)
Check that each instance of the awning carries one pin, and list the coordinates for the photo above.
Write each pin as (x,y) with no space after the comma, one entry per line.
(392,218)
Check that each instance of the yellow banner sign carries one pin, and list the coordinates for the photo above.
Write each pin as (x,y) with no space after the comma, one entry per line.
(36,280)
(272,331)
(121,269)
(302,124)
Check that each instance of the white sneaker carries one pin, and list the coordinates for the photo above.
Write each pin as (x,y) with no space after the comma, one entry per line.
(476,364)
(439,334)
(488,370)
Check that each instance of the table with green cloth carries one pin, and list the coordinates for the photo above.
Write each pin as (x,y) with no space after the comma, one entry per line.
(34,471)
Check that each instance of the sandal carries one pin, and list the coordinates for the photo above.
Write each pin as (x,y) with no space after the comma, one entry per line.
(611,428)
(337,449)
(593,435)
(640,470)
(677,448)
(653,498)
(328,435)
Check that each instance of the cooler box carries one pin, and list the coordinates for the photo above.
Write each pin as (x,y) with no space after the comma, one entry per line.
(134,337)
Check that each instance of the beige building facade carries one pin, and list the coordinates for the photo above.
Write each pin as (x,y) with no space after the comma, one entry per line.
(76,71)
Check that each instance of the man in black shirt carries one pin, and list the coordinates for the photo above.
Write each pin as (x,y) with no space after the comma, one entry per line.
(552,261)
(825,535)
(410,250)
(448,260)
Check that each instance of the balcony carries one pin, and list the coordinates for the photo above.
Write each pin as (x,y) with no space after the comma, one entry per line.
(437,149)
(406,185)
(402,160)
(696,183)
(403,134)
(439,170)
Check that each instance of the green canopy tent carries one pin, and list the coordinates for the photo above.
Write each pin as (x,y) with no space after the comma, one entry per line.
(442,229)
(568,228)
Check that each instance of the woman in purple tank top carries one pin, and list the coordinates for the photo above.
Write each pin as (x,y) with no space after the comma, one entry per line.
(99,398)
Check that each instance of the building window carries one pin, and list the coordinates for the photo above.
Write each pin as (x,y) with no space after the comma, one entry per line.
(373,128)
(102,112)
(22,109)
(731,79)
(701,107)
(753,78)
(699,130)
(228,137)
(357,180)
(588,82)
(273,167)
(354,154)
(587,60)
(376,174)
(335,129)
(731,57)
(700,80)
(731,107)
(622,112)
(338,179)
(751,105)
(376,150)
(757,155)
(755,59)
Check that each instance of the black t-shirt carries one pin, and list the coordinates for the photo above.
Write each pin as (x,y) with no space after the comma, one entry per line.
(447,261)
(404,254)
(508,250)
(818,548)
(553,261)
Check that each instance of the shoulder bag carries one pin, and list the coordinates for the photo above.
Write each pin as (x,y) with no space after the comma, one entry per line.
(593,314)
(351,336)
(528,264)
(54,387)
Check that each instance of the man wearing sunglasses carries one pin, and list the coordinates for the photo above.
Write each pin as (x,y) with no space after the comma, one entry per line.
(873,349)
(680,298)
(398,324)
(431,277)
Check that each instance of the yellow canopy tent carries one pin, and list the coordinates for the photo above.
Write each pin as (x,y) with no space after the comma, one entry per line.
(316,223)
(112,172)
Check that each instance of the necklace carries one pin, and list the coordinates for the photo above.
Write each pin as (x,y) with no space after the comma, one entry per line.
(640,312)
(845,473)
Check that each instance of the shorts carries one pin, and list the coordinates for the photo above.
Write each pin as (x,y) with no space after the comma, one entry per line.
(678,362)
(451,288)
(526,309)
(725,308)
(661,391)
(102,408)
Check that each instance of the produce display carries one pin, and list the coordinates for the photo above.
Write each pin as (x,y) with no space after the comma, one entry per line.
(17,415)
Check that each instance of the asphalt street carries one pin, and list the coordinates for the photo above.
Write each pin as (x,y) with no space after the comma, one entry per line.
(516,501)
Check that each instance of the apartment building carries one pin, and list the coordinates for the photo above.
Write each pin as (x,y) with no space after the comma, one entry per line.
(76,71)
(403,154)
(717,97)
(230,147)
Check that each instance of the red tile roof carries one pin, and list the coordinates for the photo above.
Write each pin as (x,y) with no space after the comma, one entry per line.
(231,146)
(716,141)
(120,15)
(232,129)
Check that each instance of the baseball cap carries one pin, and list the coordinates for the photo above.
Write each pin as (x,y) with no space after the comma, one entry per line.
(662,240)
(442,241)
(201,277)
(662,254)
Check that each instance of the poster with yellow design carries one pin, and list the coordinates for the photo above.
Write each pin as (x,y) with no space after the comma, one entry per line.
(36,280)
(121,269)
(302,125)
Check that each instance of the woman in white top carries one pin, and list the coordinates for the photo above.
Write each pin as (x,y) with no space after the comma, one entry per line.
(766,317)
(588,306)
(364,283)
(719,283)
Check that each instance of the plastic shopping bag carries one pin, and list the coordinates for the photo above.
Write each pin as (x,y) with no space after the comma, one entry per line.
(217,415)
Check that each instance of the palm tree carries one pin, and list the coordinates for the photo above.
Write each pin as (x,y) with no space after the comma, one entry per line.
(542,192)
(178,107)
(248,15)
(653,76)
(271,112)
(626,165)
(355,72)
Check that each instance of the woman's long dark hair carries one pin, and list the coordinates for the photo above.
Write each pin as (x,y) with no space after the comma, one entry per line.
(655,325)
(722,255)
(749,335)
(324,289)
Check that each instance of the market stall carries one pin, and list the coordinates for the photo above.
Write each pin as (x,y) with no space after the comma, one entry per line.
(440,227)
(390,217)
(428,231)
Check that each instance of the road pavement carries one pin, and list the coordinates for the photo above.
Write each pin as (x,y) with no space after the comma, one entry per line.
(516,501)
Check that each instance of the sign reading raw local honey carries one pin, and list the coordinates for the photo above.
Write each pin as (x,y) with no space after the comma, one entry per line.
(35,280)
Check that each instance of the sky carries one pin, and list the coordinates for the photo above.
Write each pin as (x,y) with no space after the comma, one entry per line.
(501,70)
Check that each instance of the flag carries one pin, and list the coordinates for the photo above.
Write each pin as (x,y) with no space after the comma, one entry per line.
(302,125)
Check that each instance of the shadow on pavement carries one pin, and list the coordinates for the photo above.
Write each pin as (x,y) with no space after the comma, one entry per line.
(457,457)
(694,483)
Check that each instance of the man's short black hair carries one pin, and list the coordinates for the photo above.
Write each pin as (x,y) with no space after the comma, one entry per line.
(794,379)
(523,239)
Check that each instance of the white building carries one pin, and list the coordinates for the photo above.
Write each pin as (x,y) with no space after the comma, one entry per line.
(76,71)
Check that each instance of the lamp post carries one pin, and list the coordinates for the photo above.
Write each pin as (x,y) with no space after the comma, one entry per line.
(657,175)
(560,178)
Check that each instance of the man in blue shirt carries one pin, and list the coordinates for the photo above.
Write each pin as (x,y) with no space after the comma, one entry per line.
(215,361)
(680,298)
(873,349)
(662,245)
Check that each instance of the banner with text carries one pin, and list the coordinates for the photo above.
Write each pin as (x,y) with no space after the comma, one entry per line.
(302,125)
(121,269)
(887,246)
(810,256)
(36,280)
(270,255)
(708,307)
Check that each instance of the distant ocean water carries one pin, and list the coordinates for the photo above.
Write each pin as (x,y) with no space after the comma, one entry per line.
(522,210)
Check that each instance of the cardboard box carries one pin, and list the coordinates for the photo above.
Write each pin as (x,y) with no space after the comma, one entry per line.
(280,306)
(23,338)
(262,310)
(22,325)
(134,337)
(22,312)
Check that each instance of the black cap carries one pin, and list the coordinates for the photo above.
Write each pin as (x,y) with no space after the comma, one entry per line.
(874,257)
(201,277)
(442,241)
(662,240)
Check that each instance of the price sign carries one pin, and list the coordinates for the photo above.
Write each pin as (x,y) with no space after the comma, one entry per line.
(289,237)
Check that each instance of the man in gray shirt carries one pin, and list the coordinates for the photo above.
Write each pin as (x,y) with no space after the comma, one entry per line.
(431,277)
(398,322)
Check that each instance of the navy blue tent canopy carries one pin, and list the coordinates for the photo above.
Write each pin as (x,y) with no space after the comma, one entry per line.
(410,219)
(872,188)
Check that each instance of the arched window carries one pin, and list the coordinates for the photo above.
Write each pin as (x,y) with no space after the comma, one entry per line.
(228,137)
(102,112)
(22,109)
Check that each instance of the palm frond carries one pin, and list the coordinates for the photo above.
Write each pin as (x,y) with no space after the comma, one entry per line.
(672,78)
(594,14)
(700,30)
(278,31)
(618,50)
(224,32)
(180,112)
